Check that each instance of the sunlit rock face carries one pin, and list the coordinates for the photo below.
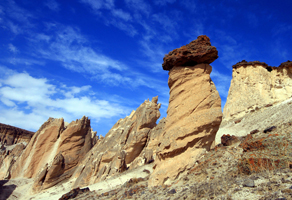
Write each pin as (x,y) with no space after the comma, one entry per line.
(254,86)
(194,111)
(54,152)
(121,148)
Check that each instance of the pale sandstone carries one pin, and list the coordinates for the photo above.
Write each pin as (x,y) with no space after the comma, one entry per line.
(54,152)
(8,156)
(255,85)
(120,147)
(35,155)
(193,115)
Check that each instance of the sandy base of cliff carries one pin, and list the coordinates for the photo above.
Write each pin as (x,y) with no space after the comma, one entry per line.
(20,189)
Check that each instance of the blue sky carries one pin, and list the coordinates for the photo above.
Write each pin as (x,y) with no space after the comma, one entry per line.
(102,58)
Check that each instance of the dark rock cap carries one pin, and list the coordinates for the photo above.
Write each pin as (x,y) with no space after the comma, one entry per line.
(244,63)
(286,64)
(198,51)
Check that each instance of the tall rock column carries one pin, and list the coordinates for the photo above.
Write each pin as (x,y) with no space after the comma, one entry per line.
(194,111)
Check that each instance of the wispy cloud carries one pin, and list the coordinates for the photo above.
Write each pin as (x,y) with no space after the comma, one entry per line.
(53,5)
(13,27)
(12,48)
(33,100)
(163,2)
(114,16)
(24,61)
(139,6)
(96,5)
(122,14)
(70,48)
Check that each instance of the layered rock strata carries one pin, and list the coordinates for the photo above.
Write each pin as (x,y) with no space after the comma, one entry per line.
(255,89)
(10,135)
(255,85)
(121,148)
(194,112)
(54,152)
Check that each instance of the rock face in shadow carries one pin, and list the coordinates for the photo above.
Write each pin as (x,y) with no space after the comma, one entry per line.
(54,152)
(121,146)
(194,111)
(255,86)
(10,135)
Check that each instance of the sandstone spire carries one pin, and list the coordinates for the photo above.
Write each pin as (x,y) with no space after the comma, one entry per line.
(194,112)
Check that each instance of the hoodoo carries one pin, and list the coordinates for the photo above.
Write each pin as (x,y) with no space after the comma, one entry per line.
(194,112)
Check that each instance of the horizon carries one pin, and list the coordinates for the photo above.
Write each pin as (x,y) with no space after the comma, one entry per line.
(102,59)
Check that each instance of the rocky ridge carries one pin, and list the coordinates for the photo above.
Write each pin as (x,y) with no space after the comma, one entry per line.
(122,148)
(223,173)
(10,135)
(131,161)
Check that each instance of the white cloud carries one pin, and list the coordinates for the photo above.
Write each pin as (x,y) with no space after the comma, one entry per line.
(53,5)
(28,101)
(12,48)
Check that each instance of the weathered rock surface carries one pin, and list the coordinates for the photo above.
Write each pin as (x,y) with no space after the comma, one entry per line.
(54,152)
(255,85)
(120,147)
(10,135)
(193,115)
(8,156)
(198,51)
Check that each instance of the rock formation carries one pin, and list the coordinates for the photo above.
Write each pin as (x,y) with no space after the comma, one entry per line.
(54,152)
(194,112)
(254,86)
(121,146)
(8,156)
(10,135)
